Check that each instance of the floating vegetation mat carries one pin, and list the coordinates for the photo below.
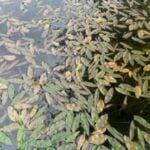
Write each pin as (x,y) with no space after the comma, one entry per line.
(75,77)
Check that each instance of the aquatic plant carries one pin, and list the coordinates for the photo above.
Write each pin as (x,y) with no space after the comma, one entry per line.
(98,98)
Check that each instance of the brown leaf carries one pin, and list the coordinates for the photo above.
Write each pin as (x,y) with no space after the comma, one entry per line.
(43,79)
(100,106)
(147,67)
(80,141)
(33,112)
(20,106)
(97,138)
(12,114)
(73,107)
(110,79)
(68,76)
(3,86)
(138,91)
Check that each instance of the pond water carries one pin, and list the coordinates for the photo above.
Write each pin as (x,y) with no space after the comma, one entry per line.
(24,25)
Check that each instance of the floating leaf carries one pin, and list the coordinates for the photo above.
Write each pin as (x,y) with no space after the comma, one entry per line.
(10,128)
(9,57)
(97,139)
(115,144)
(138,91)
(5,139)
(109,95)
(68,76)
(110,79)
(100,106)
(72,137)
(43,79)
(147,67)
(80,141)
(141,138)
(41,143)
(129,144)
(3,86)
(73,107)
(142,121)
(12,113)
(145,86)
(147,137)
(11,91)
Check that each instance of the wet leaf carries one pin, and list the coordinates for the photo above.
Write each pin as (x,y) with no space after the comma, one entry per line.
(110,79)
(145,86)
(115,144)
(109,95)
(12,113)
(43,79)
(129,144)
(73,107)
(11,91)
(80,141)
(97,138)
(41,143)
(68,76)
(3,86)
(9,57)
(72,137)
(100,106)
(5,139)
(10,128)
(147,67)
(147,137)
(142,121)
(138,91)
(141,138)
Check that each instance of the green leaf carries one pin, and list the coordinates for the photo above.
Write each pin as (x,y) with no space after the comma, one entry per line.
(21,144)
(72,137)
(145,86)
(147,137)
(11,91)
(75,123)
(4,139)
(18,97)
(59,137)
(69,120)
(85,124)
(115,144)
(109,95)
(141,138)
(115,133)
(41,143)
(132,130)
(142,121)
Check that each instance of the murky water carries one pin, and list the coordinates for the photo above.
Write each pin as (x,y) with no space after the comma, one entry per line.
(29,39)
